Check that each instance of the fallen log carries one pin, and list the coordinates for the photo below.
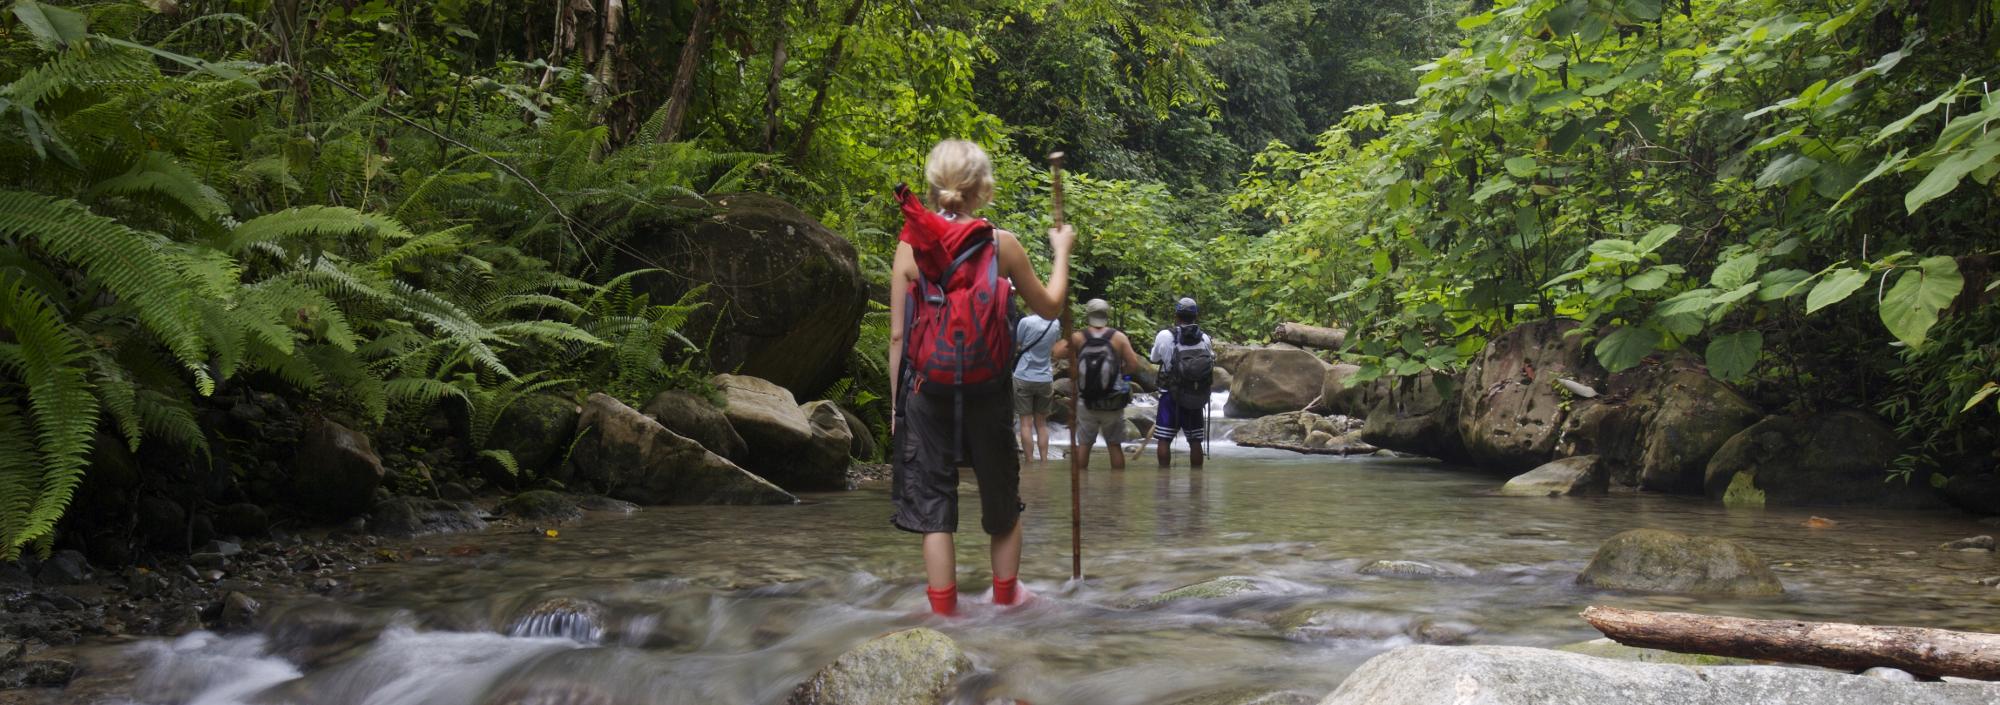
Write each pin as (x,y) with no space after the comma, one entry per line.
(1306,336)
(1854,647)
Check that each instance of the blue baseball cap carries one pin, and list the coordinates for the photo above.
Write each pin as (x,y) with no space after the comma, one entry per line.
(1186,305)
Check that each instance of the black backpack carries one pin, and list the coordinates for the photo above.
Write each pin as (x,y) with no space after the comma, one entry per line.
(1098,371)
(1192,370)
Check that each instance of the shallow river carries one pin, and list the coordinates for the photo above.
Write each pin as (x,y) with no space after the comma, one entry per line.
(738,604)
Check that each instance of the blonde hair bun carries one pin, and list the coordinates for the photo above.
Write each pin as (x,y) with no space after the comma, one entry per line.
(960,176)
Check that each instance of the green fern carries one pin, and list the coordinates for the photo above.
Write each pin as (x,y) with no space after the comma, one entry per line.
(48,360)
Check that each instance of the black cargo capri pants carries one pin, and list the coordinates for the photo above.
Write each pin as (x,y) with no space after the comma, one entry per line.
(925,490)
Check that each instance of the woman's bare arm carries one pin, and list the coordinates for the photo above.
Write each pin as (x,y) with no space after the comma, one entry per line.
(901,274)
(1046,302)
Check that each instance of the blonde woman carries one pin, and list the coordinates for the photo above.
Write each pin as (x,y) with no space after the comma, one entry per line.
(951,354)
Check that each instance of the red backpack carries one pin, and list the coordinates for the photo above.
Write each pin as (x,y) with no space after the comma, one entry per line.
(956,332)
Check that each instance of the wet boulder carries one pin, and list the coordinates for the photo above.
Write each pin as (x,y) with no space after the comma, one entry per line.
(408,517)
(536,429)
(1318,624)
(1218,383)
(334,470)
(1340,395)
(1573,476)
(1608,649)
(1301,432)
(690,416)
(1837,459)
(832,434)
(1414,569)
(1979,494)
(1416,416)
(1225,586)
(909,667)
(1229,355)
(1274,380)
(787,447)
(542,505)
(863,447)
(785,293)
(1518,674)
(628,456)
(1510,408)
(1663,561)
(1658,425)
(1246,696)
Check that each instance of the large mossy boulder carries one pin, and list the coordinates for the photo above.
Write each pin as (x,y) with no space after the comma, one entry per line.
(1416,416)
(690,416)
(537,430)
(1657,425)
(909,667)
(334,469)
(1274,380)
(1835,459)
(786,446)
(1510,413)
(625,455)
(1662,561)
(1573,476)
(786,293)
(542,505)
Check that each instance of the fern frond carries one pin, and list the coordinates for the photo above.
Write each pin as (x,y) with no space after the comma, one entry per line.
(436,243)
(47,358)
(420,391)
(123,261)
(156,174)
(307,221)
(506,460)
(169,418)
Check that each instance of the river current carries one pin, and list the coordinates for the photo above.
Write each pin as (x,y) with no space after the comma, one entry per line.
(739,604)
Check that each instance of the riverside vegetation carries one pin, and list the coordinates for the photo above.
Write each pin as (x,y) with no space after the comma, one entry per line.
(312,259)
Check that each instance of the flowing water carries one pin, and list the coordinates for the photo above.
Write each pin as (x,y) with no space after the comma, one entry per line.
(738,604)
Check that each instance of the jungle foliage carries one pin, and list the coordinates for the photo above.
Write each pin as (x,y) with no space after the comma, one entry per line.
(1799,194)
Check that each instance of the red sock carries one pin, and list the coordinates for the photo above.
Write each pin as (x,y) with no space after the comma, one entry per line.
(944,602)
(1006,592)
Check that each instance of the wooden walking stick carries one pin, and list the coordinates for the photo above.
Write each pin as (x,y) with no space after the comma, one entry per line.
(1075,381)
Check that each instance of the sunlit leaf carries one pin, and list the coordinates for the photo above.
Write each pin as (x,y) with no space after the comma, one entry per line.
(1837,286)
(1911,307)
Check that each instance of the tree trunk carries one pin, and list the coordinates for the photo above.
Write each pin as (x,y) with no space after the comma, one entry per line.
(1306,336)
(811,124)
(778,58)
(691,55)
(1854,647)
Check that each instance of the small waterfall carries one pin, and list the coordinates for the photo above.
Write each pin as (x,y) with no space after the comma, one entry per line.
(563,617)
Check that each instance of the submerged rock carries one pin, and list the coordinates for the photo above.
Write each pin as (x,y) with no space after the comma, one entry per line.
(599,503)
(909,667)
(1837,459)
(1273,381)
(690,416)
(1580,475)
(1663,561)
(1497,675)
(542,505)
(1337,623)
(571,618)
(630,457)
(1606,648)
(1975,543)
(1407,569)
(334,469)
(1247,696)
(1225,586)
(408,517)
(787,447)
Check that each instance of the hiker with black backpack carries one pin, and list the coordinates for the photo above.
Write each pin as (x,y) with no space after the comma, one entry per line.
(1187,369)
(1103,357)
(951,351)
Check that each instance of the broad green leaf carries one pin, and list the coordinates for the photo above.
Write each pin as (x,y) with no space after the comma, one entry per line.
(1492,186)
(1911,307)
(1381,261)
(50,25)
(1836,287)
(1945,177)
(1521,167)
(1682,324)
(1696,301)
(1779,283)
(1980,396)
(1922,110)
(1647,280)
(1738,294)
(1734,273)
(1625,347)
(1658,236)
(1620,250)
(1786,169)
(1475,21)
(1732,356)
